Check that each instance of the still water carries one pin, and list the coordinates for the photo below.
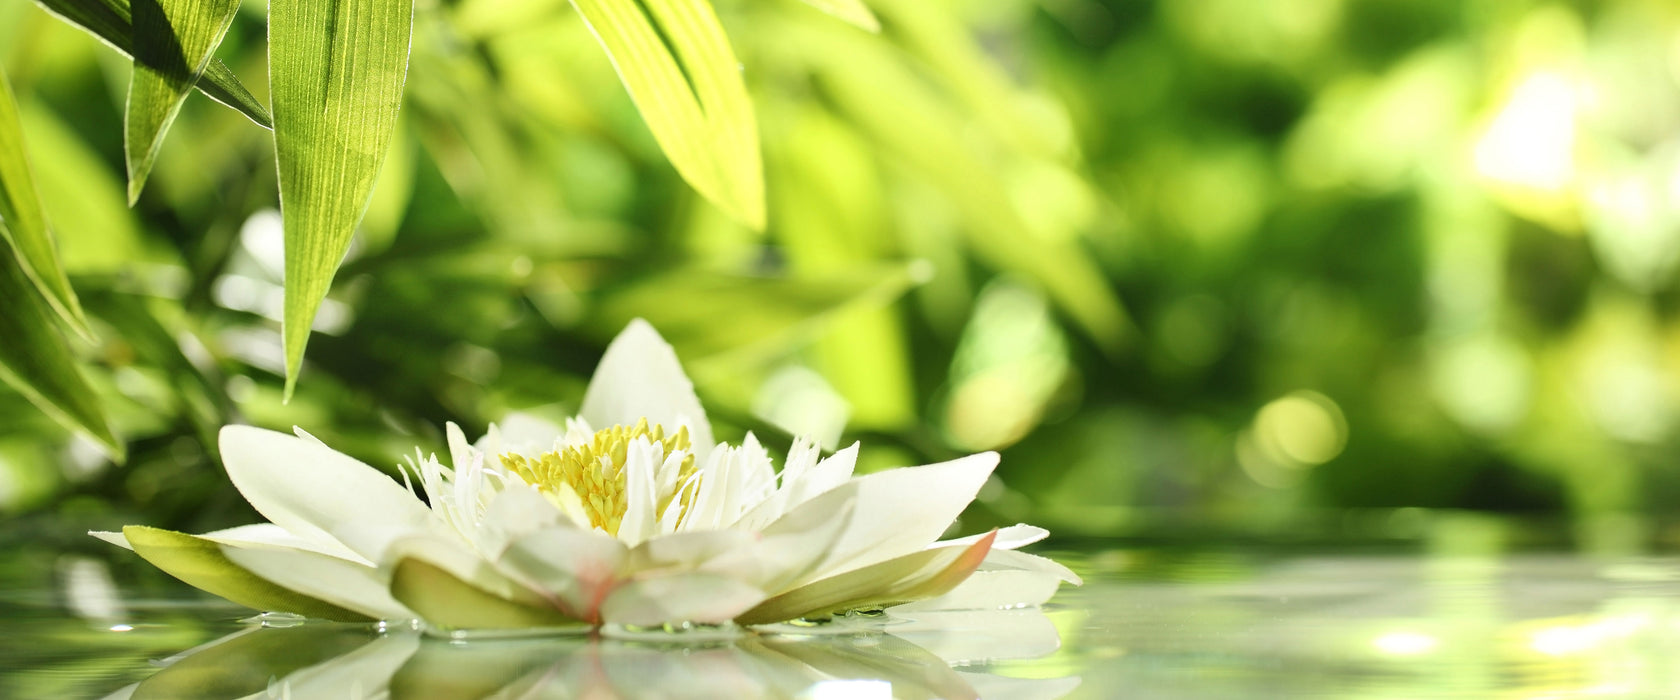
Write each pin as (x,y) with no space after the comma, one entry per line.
(1201,622)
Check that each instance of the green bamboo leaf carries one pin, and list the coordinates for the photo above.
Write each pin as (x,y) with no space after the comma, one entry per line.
(689,92)
(336,69)
(110,22)
(173,43)
(852,11)
(22,223)
(201,564)
(36,361)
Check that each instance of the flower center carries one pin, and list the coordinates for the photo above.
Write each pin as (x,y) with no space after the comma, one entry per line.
(589,479)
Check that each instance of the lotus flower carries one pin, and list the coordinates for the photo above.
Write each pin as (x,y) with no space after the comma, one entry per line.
(629,515)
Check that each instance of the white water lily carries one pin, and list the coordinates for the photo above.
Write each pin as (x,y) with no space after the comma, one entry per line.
(629,514)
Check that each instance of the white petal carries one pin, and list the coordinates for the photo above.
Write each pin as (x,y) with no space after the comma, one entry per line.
(577,567)
(696,597)
(687,551)
(274,536)
(784,552)
(1007,559)
(460,451)
(899,511)
(521,433)
(641,512)
(345,584)
(317,493)
(457,559)
(365,672)
(115,538)
(824,477)
(1012,537)
(639,377)
(514,513)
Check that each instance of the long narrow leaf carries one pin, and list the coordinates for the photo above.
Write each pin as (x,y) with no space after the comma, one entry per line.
(689,92)
(336,68)
(36,361)
(23,226)
(853,11)
(109,21)
(173,42)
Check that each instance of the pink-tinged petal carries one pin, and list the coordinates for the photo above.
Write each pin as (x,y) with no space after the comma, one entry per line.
(1012,537)
(577,567)
(640,377)
(916,576)
(318,493)
(346,584)
(899,511)
(992,590)
(693,597)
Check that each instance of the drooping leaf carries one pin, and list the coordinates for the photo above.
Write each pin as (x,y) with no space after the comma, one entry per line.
(690,93)
(853,11)
(23,226)
(110,22)
(201,564)
(173,42)
(336,70)
(37,362)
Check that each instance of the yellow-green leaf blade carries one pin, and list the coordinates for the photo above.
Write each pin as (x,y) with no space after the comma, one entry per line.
(109,21)
(336,69)
(851,11)
(36,361)
(201,564)
(23,226)
(689,92)
(173,41)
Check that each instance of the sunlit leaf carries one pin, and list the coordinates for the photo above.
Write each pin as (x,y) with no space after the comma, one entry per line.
(37,362)
(23,225)
(853,11)
(173,42)
(201,564)
(95,230)
(336,70)
(690,93)
(109,21)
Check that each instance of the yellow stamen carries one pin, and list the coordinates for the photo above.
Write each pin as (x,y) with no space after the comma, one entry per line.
(595,470)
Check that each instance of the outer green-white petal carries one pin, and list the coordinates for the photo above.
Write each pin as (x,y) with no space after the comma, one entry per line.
(640,377)
(916,576)
(900,511)
(693,597)
(319,493)
(201,564)
(342,583)
(444,600)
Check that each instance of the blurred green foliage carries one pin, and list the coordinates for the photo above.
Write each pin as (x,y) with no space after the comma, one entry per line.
(1373,254)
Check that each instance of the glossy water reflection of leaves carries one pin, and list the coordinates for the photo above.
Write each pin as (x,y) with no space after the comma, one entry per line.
(916,656)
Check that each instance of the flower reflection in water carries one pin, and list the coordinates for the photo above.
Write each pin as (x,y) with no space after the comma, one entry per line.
(921,655)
